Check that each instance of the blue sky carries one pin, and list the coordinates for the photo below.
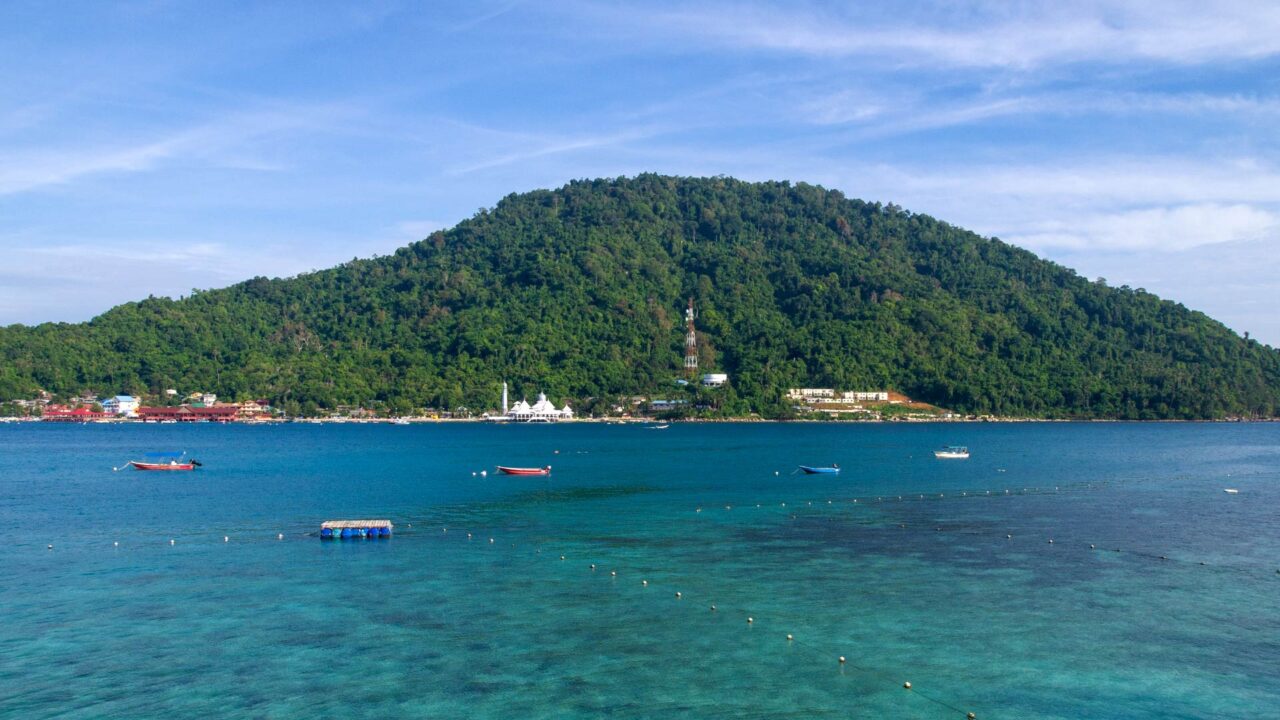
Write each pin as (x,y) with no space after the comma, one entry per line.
(155,147)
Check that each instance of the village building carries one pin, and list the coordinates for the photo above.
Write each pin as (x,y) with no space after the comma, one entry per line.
(542,411)
(64,413)
(126,405)
(189,413)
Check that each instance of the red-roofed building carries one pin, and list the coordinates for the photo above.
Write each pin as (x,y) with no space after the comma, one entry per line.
(186,413)
(62,413)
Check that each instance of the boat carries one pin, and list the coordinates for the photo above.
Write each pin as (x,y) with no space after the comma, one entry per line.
(524,471)
(808,470)
(168,461)
(657,427)
(1230,491)
(952,452)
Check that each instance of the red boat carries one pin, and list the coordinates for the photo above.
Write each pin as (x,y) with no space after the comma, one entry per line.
(165,461)
(171,465)
(524,471)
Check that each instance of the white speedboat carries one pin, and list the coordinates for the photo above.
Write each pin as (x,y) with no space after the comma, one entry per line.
(952,452)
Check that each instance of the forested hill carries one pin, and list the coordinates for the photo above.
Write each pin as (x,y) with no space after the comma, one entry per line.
(579,292)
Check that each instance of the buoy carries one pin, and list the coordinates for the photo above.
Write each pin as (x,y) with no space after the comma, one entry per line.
(1090,546)
(971,716)
(1050,541)
(678,595)
(484,473)
(490,540)
(117,543)
(644,583)
(775,472)
(557,452)
(906,685)
(50,546)
(728,507)
(1008,536)
(561,557)
(750,620)
(841,659)
(829,502)
(789,638)
(473,474)
(444,530)
(226,539)
(280,536)
(171,541)
(613,573)
(713,608)
(593,566)
(698,510)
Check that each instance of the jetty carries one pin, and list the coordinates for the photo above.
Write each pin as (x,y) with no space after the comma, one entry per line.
(355,529)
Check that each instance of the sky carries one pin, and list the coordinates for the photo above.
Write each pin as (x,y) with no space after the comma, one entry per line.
(149,148)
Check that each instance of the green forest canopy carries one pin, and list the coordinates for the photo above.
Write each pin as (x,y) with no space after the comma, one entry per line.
(579,291)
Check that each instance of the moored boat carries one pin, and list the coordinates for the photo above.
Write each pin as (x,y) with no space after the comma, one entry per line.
(810,470)
(165,461)
(952,452)
(524,471)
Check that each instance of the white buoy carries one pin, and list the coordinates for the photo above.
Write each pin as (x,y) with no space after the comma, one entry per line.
(51,546)
(841,659)
(561,557)
(613,573)
(678,595)
(468,536)
(1008,536)
(906,685)
(644,583)
(1050,541)
(490,540)
(789,638)
(484,473)
(1090,546)
(713,607)
(444,530)
(775,472)
(171,542)
(698,510)
(280,536)
(473,474)
(226,539)
(593,566)
(117,543)
(750,620)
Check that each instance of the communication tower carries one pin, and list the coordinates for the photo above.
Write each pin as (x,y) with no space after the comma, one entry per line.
(690,344)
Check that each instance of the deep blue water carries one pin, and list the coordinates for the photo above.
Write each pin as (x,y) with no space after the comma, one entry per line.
(434,623)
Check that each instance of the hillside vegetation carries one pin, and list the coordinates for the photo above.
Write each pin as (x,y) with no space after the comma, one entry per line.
(579,291)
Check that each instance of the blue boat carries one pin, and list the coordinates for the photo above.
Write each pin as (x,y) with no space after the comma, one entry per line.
(833,470)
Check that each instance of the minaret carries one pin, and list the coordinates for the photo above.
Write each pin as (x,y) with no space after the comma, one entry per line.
(504,397)
(690,344)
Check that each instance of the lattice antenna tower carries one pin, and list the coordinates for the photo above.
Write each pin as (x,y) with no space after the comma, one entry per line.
(690,343)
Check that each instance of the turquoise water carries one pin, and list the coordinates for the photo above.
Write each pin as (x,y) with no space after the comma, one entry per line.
(433,623)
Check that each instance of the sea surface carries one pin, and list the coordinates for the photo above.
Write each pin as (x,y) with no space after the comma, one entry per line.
(210,594)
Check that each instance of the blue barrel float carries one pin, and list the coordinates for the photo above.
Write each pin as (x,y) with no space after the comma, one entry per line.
(352,529)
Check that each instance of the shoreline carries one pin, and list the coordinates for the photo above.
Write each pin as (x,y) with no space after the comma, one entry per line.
(637,421)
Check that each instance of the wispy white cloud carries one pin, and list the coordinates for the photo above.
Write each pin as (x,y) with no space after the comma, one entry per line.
(1015,35)
(1168,229)
(225,142)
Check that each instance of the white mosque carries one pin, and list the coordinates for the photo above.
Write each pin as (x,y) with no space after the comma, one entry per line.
(541,411)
